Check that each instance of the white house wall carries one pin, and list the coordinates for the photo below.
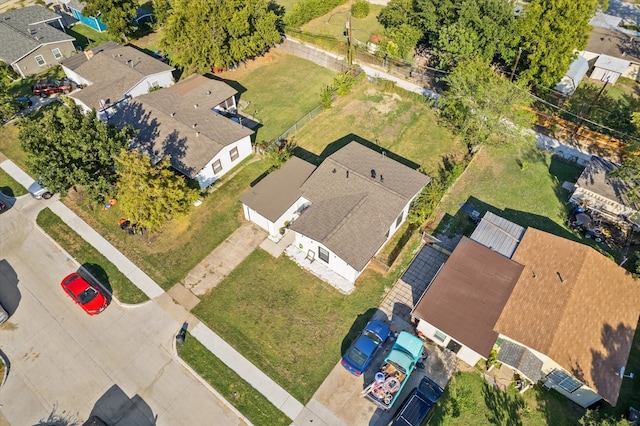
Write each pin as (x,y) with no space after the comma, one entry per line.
(75,77)
(163,79)
(207,177)
(255,217)
(336,264)
(465,354)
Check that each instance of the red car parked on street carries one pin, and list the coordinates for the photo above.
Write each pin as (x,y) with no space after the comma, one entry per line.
(89,296)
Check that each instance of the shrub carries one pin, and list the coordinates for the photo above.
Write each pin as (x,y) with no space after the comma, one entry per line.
(326,96)
(306,10)
(360,9)
(343,83)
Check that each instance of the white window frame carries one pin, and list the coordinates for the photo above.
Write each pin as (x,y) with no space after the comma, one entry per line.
(38,62)
(57,53)
(439,336)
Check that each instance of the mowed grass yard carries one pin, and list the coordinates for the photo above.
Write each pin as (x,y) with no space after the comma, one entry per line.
(400,124)
(334,23)
(279,89)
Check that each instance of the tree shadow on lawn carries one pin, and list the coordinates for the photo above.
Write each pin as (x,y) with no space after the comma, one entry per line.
(338,144)
(504,408)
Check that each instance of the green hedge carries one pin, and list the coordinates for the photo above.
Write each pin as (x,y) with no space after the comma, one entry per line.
(306,10)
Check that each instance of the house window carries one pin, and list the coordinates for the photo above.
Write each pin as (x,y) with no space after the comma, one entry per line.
(399,219)
(563,381)
(234,154)
(40,60)
(323,254)
(217,167)
(439,336)
(57,53)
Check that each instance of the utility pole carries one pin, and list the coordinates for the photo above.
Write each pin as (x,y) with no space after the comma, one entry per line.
(513,71)
(593,103)
(350,42)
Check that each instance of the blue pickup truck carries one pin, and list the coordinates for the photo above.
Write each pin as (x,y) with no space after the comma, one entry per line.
(420,405)
(396,369)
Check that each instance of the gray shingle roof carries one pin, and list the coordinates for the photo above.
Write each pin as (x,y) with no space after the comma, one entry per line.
(597,178)
(498,234)
(614,43)
(351,212)
(113,72)
(274,194)
(25,29)
(162,134)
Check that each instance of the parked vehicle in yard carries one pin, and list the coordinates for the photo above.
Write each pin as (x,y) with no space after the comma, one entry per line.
(38,191)
(45,88)
(400,362)
(417,409)
(365,347)
(89,296)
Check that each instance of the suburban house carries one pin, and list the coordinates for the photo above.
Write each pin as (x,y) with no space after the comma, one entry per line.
(75,7)
(612,51)
(187,121)
(110,74)
(341,212)
(33,39)
(556,311)
(598,190)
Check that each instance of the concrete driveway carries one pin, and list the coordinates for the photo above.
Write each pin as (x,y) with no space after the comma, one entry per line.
(66,365)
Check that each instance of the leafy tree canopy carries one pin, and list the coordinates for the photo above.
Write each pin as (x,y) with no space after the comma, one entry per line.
(118,15)
(66,147)
(200,35)
(484,106)
(549,32)
(151,194)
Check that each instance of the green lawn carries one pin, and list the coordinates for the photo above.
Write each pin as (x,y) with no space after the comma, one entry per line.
(291,325)
(251,403)
(334,22)
(9,186)
(399,123)
(10,146)
(103,270)
(496,181)
(87,37)
(280,89)
(170,253)
(287,4)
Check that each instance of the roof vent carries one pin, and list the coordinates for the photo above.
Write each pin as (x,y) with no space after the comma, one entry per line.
(193,126)
(197,134)
(533,274)
(347,174)
(173,114)
(208,92)
(195,106)
(373,173)
(334,170)
(560,276)
(381,178)
(384,154)
(32,30)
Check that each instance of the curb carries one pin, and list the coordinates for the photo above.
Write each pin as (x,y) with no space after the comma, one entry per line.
(206,384)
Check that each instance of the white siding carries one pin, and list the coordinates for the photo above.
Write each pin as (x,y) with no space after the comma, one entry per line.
(164,79)
(255,217)
(465,354)
(336,264)
(77,78)
(206,176)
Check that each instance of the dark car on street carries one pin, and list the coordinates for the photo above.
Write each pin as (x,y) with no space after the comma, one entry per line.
(45,88)
(363,350)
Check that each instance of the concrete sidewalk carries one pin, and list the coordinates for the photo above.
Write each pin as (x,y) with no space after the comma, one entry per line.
(214,343)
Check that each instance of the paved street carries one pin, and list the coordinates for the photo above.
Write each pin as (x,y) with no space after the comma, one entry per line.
(65,364)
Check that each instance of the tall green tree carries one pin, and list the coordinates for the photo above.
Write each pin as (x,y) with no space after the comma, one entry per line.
(151,194)
(66,147)
(118,15)
(203,34)
(485,106)
(549,32)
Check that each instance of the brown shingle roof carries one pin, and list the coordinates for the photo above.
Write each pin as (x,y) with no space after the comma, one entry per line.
(274,194)
(466,297)
(113,72)
(351,212)
(191,148)
(574,305)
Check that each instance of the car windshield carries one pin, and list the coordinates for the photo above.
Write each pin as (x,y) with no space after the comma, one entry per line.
(88,295)
(357,356)
(372,336)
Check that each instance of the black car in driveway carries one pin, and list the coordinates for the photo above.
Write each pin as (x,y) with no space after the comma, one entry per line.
(419,406)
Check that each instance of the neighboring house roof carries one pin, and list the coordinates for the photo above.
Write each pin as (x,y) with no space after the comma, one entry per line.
(614,43)
(498,234)
(604,20)
(75,4)
(596,177)
(277,192)
(25,29)
(610,63)
(351,211)
(113,71)
(170,124)
(468,294)
(574,305)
